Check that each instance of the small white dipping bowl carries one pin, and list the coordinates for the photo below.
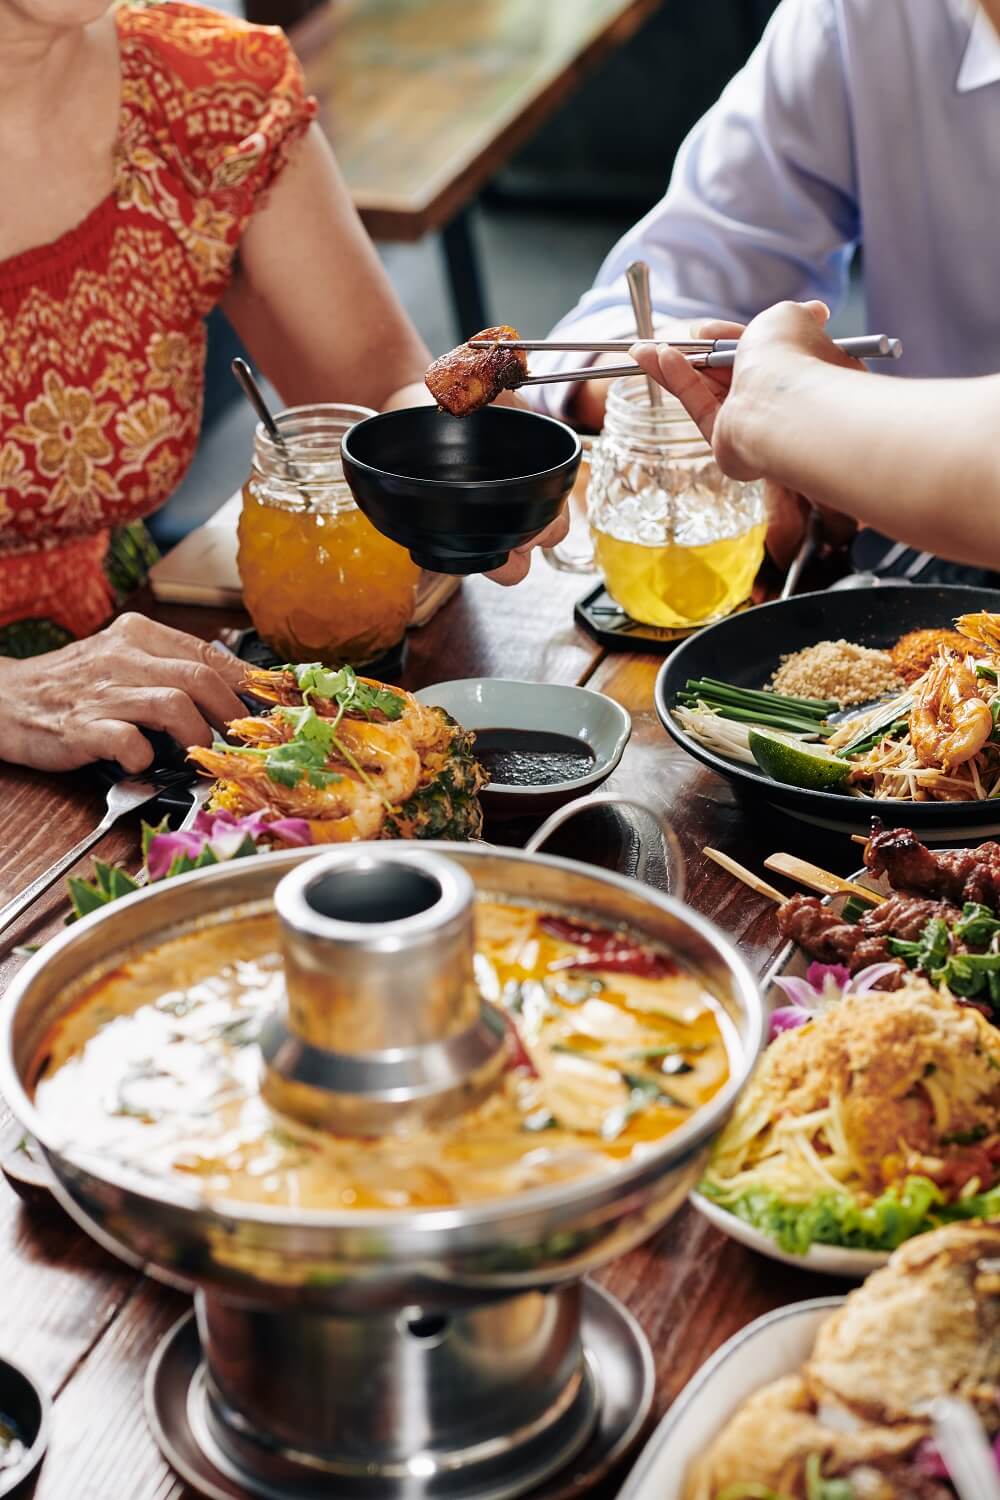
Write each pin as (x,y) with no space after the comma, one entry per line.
(578,713)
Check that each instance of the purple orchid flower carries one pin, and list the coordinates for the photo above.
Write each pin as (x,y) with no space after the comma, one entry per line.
(930,1462)
(224,836)
(824,985)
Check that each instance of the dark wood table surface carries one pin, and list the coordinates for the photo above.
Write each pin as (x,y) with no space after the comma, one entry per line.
(87,1325)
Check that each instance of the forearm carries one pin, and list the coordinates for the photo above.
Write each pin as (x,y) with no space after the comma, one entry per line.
(915,459)
(310,298)
(13,730)
(414,394)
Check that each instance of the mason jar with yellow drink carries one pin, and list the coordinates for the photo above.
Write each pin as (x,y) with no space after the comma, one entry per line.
(677,542)
(319,582)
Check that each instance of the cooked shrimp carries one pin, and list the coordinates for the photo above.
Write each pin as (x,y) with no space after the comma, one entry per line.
(268,729)
(274,687)
(950,722)
(383,751)
(983,629)
(356,811)
(424,726)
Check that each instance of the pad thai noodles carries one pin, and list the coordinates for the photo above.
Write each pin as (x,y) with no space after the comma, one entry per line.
(937,740)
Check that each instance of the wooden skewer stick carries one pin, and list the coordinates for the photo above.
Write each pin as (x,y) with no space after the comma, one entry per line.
(816,879)
(859,838)
(747,876)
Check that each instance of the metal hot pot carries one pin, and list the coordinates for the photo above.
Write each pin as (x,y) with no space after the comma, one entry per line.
(440,1352)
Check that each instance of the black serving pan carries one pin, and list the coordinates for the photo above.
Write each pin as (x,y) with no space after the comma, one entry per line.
(746,648)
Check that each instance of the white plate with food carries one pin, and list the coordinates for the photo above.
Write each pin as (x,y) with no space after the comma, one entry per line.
(880,1119)
(760,698)
(831,1397)
(767,1349)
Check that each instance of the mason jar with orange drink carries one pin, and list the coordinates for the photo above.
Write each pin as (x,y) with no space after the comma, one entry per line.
(319,582)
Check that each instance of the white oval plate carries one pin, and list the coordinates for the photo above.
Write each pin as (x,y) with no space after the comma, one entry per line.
(777,1344)
(828,1260)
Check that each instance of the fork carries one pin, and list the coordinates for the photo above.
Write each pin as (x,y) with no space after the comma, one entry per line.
(200,791)
(123,797)
(965,1449)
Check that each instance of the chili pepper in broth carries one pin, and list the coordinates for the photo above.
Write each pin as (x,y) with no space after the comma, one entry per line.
(604,949)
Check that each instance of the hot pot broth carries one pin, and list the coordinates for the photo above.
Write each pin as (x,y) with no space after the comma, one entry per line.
(612,1047)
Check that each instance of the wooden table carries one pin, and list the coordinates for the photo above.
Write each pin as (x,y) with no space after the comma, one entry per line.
(425,101)
(87,1325)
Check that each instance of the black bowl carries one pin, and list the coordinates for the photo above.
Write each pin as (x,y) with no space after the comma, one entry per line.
(746,648)
(25,1406)
(460,492)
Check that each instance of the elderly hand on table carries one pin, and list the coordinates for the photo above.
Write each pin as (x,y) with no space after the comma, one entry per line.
(777,350)
(84,702)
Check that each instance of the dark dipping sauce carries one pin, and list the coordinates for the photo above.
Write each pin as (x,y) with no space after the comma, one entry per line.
(532,757)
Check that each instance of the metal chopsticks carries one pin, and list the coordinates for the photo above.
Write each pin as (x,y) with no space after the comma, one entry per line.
(592,372)
(719,355)
(864,346)
(703,354)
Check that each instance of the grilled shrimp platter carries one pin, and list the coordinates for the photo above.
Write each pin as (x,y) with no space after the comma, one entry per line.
(353,758)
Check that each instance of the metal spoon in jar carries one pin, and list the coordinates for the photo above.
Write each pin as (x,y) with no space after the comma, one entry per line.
(248,385)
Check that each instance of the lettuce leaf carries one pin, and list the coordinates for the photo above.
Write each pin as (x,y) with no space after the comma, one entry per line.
(908,1208)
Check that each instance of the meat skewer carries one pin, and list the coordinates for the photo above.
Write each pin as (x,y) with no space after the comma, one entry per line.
(824,935)
(957,875)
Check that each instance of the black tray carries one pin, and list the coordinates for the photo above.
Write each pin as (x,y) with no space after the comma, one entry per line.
(599,615)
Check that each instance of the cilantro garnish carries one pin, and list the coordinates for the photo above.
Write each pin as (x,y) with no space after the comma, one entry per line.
(306,753)
(315,740)
(346,689)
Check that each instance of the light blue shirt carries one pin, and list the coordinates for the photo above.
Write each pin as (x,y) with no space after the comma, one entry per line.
(855,122)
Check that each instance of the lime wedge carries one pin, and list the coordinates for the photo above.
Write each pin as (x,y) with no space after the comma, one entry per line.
(787,759)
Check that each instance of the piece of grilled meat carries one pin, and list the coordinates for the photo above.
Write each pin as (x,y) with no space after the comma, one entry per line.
(466,379)
(825,936)
(957,875)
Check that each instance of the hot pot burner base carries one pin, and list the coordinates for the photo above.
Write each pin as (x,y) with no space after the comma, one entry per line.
(619,1375)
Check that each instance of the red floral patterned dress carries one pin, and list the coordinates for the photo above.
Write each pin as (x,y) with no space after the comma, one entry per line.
(102,339)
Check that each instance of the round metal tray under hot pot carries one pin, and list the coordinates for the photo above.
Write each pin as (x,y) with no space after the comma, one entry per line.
(433,1352)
